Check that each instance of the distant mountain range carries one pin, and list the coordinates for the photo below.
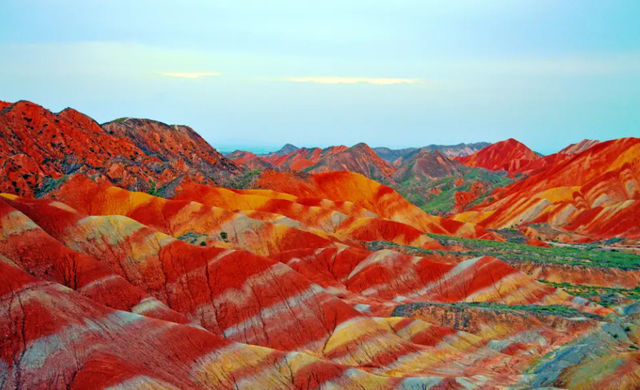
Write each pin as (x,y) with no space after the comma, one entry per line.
(462,149)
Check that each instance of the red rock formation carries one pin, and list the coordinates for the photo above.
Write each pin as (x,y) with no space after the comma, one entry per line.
(303,158)
(373,196)
(298,305)
(250,160)
(359,159)
(426,166)
(595,193)
(579,147)
(510,155)
(463,198)
(37,145)
(97,292)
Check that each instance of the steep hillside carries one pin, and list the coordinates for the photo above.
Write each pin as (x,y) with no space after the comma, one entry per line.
(433,182)
(359,159)
(510,156)
(177,144)
(426,166)
(39,147)
(595,193)
(302,158)
(382,200)
(150,261)
(579,147)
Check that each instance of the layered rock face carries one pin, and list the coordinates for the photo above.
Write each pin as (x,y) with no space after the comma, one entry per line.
(594,193)
(510,155)
(220,317)
(38,148)
(325,280)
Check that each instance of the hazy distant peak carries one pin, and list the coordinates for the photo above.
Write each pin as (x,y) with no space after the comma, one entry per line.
(286,149)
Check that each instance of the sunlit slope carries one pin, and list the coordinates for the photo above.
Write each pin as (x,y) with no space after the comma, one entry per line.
(67,341)
(242,297)
(595,193)
(262,222)
(348,316)
(369,194)
(510,155)
(34,251)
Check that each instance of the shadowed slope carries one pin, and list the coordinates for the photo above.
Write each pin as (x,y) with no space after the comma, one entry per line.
(426,165)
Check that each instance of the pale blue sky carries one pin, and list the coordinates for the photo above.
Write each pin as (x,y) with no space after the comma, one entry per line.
(390,73)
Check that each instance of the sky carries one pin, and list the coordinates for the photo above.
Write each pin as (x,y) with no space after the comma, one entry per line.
(256,74)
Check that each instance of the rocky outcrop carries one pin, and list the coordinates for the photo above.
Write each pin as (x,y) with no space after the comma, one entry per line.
(38,146)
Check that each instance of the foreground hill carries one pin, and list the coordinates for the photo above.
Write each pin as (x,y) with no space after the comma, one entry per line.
(37,147)
(594,193)
(153,310)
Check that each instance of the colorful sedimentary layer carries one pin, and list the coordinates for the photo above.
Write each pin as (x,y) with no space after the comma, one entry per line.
(382,200)
(302,158)
(594,193)
(359,159)
(510,155)
(322,315)
(37,147)
(130,269)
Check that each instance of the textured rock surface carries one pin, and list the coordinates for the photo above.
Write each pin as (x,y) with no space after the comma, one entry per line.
(273,287)
(37,146)
(382,200)
(594,193)
(510,155)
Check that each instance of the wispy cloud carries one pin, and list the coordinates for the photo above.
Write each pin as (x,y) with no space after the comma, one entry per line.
(352,80)
(189,75)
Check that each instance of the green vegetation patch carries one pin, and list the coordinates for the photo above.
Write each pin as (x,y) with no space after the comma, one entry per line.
(419,192)
(549,310)
(194,238)
(512,252)
(245,180)
(49,184)
(607,296)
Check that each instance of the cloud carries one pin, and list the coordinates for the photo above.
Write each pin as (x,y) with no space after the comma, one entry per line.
(352,80)
(189,75)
